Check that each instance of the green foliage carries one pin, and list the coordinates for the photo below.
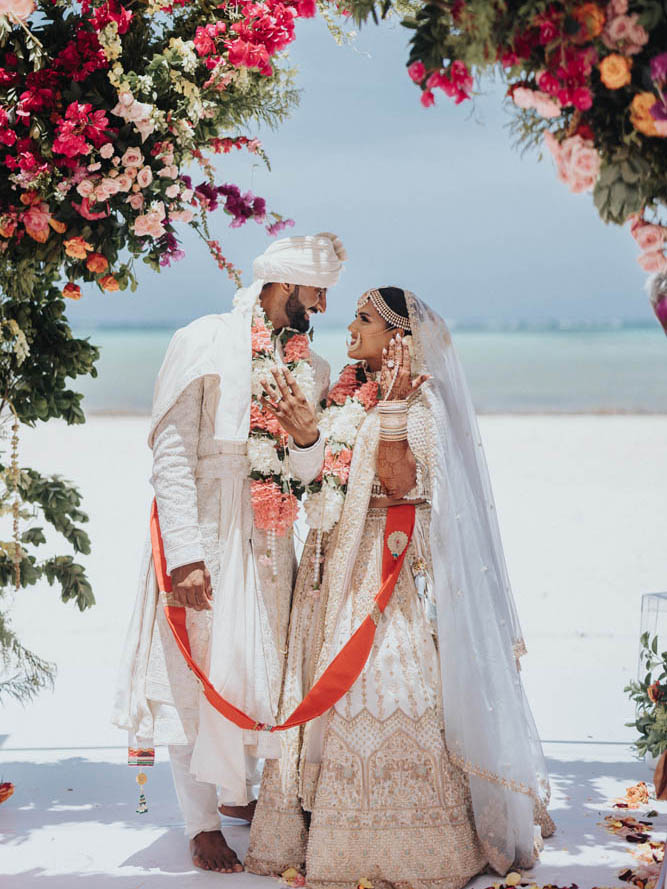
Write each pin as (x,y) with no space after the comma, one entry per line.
(650,697)
(38,354)
(619,190)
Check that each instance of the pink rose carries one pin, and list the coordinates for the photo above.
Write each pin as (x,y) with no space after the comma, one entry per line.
(132,158)
(522,97)
(617,7)
(36,221)
(172,190)
(149,224)
(577,161)
(417,71)
(144,177)
(106,150)
(169,171)
(649,237)
(618,28)
(638,34)
(111,185)
(85,188)
(584,164)
(653,261)
(546,106)
(124,182)
(136,201)
(20,9)
(185,215)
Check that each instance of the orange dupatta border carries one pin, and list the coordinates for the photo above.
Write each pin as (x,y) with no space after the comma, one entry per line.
(344,669)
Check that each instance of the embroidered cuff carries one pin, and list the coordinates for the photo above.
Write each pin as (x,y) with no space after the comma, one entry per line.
(306,463)
(183,553)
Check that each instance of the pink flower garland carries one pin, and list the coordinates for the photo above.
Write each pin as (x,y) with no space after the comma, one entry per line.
(275,507)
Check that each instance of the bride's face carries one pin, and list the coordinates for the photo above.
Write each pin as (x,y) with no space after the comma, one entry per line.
(369,335)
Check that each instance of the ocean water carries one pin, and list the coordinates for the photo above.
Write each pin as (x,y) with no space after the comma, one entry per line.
(551,370)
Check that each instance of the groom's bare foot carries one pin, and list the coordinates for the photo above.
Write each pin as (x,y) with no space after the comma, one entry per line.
(246,813)
(210,851)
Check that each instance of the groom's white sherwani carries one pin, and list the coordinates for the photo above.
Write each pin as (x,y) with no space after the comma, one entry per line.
(199,433)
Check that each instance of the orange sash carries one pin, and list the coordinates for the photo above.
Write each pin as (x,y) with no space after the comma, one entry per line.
(345,668)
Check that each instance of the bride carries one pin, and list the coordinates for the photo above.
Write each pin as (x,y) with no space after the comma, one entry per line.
(427,768)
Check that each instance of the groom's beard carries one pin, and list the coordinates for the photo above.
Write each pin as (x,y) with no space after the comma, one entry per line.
(296,313)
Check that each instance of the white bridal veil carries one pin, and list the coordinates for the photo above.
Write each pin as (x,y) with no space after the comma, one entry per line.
(490,730)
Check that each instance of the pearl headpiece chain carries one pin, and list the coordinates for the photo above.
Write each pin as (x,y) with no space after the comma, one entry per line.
(391,317)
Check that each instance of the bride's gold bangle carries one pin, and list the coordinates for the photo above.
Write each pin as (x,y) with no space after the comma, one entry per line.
(393,420)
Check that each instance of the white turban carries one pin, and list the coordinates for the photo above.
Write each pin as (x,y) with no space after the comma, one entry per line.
(310,260)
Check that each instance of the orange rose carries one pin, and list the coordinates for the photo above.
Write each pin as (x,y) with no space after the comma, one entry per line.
(60,227)
(7,226)
(72,291)
(77,248)
(640,115)
(97,263)
(108,282)
(615,71)
(591,21)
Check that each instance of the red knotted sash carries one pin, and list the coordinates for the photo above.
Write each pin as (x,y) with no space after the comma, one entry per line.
(344,669)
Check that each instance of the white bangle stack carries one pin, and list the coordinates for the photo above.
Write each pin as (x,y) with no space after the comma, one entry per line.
(393,420)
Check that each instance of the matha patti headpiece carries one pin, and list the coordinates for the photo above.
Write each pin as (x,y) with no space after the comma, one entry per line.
(392,318)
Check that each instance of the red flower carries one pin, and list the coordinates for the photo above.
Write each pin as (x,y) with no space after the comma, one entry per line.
(427,99)
(417,71)
(582,98)
(548,83)
(306,9)
(111,11)
(585,132)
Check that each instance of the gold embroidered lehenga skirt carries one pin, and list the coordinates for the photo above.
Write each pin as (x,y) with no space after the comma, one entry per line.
(382,799)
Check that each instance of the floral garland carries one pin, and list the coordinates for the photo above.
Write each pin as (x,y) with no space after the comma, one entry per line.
(274,493)
(343,413)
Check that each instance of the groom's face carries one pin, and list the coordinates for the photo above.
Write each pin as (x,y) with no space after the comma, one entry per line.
(301,303)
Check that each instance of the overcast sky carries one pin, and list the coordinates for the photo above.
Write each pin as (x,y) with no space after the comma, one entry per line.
(435,200)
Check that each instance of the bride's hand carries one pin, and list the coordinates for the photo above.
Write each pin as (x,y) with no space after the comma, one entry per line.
(396,368)
(291,409)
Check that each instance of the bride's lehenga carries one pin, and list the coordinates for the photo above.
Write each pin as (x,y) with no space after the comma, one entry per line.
(386,803)
(429,768)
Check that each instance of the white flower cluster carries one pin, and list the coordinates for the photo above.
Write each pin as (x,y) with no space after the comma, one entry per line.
(263,457)
(339,425)
(341,422)
(324,508)
(304,375)
(261,371)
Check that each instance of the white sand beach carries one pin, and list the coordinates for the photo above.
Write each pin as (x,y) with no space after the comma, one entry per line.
(581,506)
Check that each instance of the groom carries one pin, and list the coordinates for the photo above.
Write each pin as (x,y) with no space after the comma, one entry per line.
(233,578)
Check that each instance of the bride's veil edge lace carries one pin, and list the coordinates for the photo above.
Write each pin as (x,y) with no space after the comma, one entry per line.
(490,731)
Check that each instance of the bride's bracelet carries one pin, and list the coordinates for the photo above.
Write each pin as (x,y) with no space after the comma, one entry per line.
(393,420)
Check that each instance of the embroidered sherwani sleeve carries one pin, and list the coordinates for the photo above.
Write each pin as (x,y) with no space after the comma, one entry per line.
(306,463)
(173,478)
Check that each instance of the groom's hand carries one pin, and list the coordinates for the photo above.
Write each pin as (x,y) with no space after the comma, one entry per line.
(292,409)
(191,586)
